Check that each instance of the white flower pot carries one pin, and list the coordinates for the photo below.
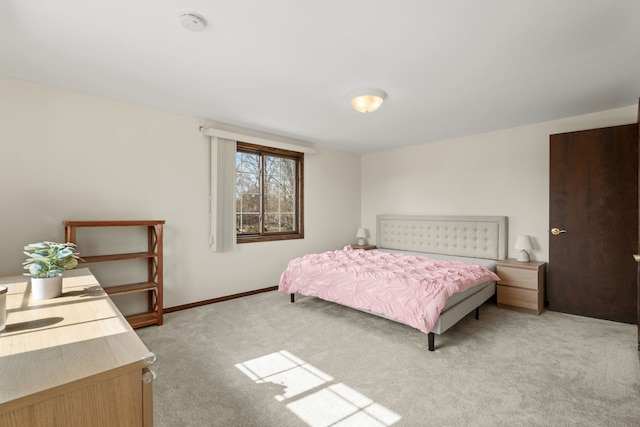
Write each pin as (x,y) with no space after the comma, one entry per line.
(46,287)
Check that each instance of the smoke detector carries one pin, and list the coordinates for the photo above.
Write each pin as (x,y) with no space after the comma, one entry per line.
(192,21)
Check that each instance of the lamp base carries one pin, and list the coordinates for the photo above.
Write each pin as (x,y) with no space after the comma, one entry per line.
(361,242)
(523,256)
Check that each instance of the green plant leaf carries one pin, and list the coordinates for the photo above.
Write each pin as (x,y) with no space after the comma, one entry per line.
(50,259)
(70,264)
(38,268)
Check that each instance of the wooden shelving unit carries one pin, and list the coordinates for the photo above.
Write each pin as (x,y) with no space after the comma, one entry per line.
(152,287)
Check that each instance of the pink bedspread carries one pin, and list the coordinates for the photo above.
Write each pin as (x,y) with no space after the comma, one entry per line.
(408,289)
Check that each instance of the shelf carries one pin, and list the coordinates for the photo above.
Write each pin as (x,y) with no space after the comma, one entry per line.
(139,320)
(118,257)
(112,223)
(128,289)
(152,287)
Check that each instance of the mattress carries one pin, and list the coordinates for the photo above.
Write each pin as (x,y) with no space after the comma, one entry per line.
(455,298)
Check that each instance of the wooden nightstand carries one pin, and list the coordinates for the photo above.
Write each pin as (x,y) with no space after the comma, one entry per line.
(521,285)
(365,247)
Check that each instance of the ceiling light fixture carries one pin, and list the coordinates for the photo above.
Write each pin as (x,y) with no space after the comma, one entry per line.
(367,100)
(192,21)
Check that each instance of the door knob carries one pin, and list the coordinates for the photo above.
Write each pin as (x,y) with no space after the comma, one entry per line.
(555,231)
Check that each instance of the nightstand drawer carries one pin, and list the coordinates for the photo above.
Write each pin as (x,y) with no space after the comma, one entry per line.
(516,297)
(520,277)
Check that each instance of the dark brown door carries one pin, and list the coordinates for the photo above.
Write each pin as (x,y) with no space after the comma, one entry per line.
(638,279)
(593,223)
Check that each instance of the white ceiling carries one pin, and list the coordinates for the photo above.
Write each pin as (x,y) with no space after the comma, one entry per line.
(285,67)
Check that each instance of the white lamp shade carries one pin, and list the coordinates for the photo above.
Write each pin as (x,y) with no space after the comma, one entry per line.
(361,235)
(523,242)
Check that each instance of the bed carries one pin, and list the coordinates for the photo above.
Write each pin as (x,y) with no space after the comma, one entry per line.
(463,250)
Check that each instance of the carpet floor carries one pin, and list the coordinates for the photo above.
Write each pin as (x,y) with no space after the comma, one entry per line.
(262,361)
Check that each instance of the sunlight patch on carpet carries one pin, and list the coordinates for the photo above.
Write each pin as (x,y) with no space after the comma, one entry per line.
(314,396)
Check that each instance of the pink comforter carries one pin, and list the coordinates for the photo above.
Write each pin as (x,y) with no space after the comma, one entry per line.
(408,289)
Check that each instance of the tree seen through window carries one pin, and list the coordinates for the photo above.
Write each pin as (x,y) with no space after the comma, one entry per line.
(268,193)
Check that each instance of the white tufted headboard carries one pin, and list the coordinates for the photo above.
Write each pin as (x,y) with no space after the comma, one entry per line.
(466,236)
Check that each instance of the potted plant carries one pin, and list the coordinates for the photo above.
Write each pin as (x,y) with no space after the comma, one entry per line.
(46,262)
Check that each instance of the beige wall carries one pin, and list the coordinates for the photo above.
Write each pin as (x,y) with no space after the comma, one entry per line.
(67,155)
(498,173)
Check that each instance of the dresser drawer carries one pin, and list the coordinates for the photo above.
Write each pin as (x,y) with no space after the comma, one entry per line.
(520,277)
(517,297)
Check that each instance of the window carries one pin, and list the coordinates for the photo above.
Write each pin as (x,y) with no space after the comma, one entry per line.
(268,193)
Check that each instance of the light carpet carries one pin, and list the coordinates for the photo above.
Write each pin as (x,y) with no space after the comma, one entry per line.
(262,361)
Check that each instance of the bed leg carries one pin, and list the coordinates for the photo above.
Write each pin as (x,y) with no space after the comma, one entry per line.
(431,337)
(293,298)
(477,313)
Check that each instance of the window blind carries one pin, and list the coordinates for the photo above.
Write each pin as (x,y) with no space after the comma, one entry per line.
(222,170)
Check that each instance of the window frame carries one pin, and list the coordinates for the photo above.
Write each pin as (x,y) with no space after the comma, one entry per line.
(245,147)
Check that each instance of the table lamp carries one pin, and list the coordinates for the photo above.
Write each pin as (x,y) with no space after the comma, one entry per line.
(524,244)
(361,235)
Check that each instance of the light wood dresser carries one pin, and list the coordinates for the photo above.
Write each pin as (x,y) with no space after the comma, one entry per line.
(72,360)
(521,285)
